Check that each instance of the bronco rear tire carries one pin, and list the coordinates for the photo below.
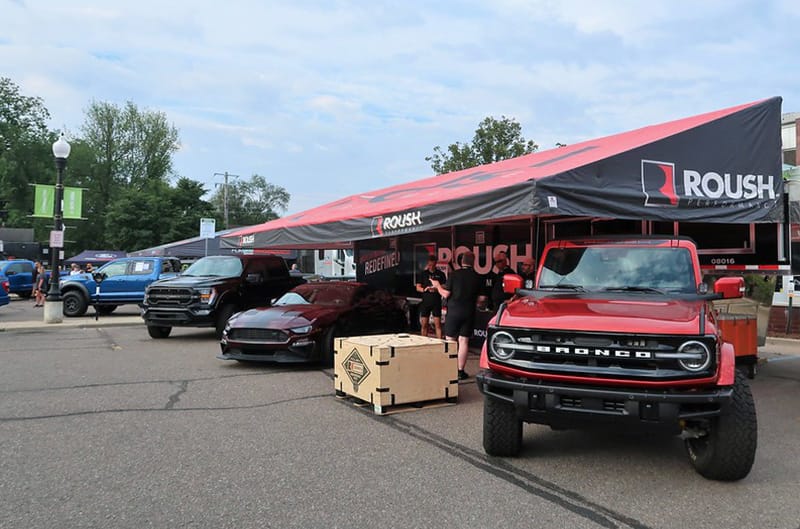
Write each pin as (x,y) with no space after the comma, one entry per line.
(502,430)
(158,332)
(74,304)
(727,451)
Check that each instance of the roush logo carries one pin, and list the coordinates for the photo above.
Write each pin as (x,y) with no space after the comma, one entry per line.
(247,239)
(658,183)
(663,186)
(395,223)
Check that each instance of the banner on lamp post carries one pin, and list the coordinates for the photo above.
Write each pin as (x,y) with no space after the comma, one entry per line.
(73,202)
(44,198)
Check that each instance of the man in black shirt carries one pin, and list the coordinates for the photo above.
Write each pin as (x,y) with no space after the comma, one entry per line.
(461,291)
(431,305)
(495,276)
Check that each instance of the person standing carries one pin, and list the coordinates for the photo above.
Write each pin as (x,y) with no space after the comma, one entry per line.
(431,306)
(35,283)
(528,272)
(42,284)
(461,292)
(499,269)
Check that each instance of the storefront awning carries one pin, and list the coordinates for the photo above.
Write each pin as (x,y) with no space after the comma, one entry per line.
(723,166)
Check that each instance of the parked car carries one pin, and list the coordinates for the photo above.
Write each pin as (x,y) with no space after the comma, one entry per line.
(123,283)
(300,326)
(19,273)
(207,293)
(4,299)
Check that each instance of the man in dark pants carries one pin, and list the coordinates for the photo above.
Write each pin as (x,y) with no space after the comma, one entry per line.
(461,291)
(431,306)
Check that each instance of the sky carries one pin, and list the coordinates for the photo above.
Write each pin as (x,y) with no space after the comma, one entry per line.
(333,98)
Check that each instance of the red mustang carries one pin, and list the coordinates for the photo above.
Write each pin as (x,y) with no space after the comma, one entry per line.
(300,325)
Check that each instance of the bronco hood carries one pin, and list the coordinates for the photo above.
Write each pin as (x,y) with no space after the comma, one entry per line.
(639,314)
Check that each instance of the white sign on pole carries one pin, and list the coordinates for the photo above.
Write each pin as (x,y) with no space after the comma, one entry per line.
(56,239)
(207,228)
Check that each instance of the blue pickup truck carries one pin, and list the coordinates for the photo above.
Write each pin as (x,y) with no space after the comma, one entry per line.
(124,282)
(19,273)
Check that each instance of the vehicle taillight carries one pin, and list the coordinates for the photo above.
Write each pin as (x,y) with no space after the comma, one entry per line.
(5,286)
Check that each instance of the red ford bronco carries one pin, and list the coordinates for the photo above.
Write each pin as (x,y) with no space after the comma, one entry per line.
(619,333)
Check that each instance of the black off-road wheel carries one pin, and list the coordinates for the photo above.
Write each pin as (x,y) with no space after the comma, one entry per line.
(158,331)
(223,315)
(727,451)
(74,304)
(502,429)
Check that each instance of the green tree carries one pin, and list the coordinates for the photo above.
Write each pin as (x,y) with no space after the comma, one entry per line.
(494,140)
(251,202)
(156,214)
(123,151)
(25,151)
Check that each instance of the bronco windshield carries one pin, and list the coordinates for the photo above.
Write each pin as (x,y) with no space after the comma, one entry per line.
(216,266)
(619,268)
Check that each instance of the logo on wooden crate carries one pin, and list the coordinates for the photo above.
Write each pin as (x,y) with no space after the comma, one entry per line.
(356,368)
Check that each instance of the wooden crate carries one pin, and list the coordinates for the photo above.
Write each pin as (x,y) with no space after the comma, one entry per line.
(390,370)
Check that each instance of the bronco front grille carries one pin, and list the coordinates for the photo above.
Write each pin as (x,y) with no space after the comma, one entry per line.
(258,335)
(170,297)
(597,354)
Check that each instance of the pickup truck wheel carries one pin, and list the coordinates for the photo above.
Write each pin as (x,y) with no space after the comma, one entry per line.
(158,332)
(502,430)
(106,309)
(223,316)
(727,451)
(74,304)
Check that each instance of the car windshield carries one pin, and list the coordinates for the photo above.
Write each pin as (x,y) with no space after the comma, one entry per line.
(619,268)
(331,295)
(215,266)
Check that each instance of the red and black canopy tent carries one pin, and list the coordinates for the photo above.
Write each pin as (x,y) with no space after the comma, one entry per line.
(723,166)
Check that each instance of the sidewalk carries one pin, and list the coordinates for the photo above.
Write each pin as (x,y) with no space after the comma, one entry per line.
(83,322)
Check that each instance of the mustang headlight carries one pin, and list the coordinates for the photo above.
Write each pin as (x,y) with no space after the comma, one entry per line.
(694,356)
(499,345)
(302,330)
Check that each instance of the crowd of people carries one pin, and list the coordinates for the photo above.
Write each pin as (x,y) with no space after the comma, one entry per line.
(463,291)
(41,280)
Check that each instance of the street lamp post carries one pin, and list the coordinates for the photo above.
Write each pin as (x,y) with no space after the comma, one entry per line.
(53,307)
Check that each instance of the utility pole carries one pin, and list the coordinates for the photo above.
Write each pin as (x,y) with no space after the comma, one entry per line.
(225,194)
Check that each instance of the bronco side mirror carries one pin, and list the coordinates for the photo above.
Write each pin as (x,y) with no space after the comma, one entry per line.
(729,287)
(511,282)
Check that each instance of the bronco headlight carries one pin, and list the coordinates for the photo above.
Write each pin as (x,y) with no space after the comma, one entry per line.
(499,345)
(694,356)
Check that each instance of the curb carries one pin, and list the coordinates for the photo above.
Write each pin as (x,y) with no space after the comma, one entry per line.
(126,321)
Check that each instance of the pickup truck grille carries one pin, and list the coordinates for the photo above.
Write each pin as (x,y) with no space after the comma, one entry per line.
(596,354)
(169,297)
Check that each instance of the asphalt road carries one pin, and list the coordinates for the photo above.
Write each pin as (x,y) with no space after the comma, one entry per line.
(105,427)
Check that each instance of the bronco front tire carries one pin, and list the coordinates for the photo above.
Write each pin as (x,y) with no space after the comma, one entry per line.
(502,430)
(727,451)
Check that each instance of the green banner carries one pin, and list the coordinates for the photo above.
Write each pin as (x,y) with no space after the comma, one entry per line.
(73,202)
(44,200)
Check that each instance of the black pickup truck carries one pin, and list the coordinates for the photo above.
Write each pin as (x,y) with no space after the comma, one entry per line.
(213,289)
